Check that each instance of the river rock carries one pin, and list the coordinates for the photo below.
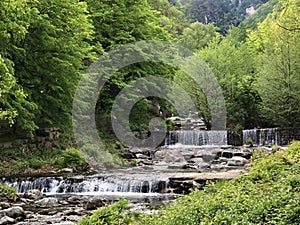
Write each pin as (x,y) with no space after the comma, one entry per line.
(4,205)
(47,202)
(14,212)
(196,160)
(209,157)
(6,220)
(74,199)
(135,150)
(34,194)
(169,156)
(94,203)
(237,161)
(66,170)
(141,156)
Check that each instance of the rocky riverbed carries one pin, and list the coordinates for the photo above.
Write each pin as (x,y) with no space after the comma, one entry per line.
(182,170)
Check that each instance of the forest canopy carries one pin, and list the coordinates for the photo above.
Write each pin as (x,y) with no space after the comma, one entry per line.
(47,45)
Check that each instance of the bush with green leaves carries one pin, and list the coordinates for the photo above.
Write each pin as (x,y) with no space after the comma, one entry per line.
(71,157)
(8,192)
(115,214)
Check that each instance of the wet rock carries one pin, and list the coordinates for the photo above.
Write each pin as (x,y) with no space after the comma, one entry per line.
(74,212)
(47,202)
(6,220)
(142,162)
(190,166)
(146,151)
(196,160)
(169,156)
(209,157)
(74,199)
(94,203)
(66,170)
(34,194)
(14,212)
(4,205)
(237,161)
(141,156)
(128,155)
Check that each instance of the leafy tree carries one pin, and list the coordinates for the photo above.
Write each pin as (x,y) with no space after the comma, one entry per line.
(231,62)
(223,13)
(171,18)
(118,23)
(197,36)
(15,107)
(277,41)
(55,47)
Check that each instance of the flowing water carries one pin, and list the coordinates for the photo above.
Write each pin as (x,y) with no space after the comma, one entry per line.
(261,137)
(197,138)
(113,184)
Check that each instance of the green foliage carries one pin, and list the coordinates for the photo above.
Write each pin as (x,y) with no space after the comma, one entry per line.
(15,106)
(55,45)
(294,150)
(197,36)
(115,214)
(249,141)
(35,163)
(171,18)
(231,62)
(278,50)
(71,157)
(8,192)
(223,13)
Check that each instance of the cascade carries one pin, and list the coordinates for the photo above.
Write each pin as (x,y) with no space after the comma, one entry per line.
(197,138)
(91,184)
(261,137)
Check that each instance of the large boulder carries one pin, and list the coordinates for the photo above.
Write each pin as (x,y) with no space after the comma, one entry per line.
(237,161)
(169,156)
(4,205)
(94,203)
(34,194)
(47,202)
(209,157)
(14,212)
(6,220)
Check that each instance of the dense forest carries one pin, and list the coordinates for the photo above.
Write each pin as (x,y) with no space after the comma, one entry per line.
(47,45)
(251,46)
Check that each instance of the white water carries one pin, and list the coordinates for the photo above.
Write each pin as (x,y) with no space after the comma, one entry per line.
(94,185)
(261,137)
(197,138)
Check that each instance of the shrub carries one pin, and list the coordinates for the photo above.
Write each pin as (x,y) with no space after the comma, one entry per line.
(294,150)
(35,163)
(115,214)
(71,157)
(8,192)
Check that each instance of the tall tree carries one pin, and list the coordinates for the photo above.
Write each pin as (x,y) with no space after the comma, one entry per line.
(171,18)
(231,62)
(118,23)
(55,46)
(14,104)
(277,42)
(197,36)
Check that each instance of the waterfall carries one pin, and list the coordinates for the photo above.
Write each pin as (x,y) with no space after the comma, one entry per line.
(91,184)
(197,138)
(261,137)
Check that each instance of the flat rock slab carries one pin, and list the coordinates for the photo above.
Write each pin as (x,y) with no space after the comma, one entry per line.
(226,175)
